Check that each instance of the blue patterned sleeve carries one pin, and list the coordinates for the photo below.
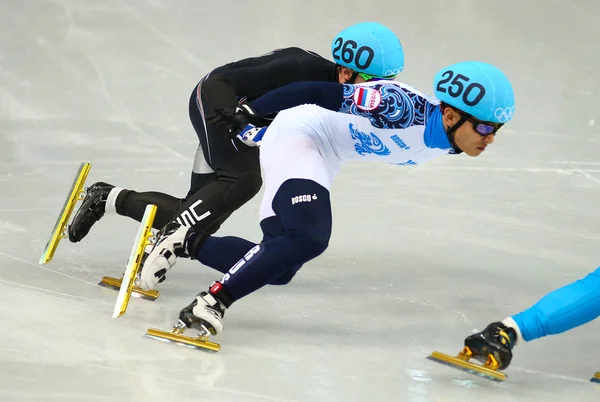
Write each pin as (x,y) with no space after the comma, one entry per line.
(386,105)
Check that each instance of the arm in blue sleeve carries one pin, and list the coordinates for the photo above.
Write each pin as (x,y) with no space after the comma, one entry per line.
(328,95)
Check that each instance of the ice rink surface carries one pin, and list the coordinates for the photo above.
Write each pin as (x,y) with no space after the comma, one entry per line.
(407,272)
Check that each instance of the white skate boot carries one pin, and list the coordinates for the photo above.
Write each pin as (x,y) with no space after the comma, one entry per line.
(206,312)
(171,243)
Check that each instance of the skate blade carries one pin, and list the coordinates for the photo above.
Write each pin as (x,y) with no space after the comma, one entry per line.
(59,232)
(596,377)
(115,284)
(135,259)
(177,337)
(461,362)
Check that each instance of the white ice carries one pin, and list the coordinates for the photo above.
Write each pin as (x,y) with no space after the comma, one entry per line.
(420,257)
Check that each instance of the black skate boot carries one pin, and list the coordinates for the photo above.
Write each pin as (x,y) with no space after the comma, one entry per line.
(497,340)
(90,211)
(206,312)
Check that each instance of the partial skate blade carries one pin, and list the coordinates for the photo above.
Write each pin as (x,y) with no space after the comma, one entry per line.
(176,336)
(135,259)
(115,284)
(596,377)
(59,232)
(461,362)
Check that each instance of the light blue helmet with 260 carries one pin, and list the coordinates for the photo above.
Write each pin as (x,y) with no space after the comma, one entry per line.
(369,48)
(477,88)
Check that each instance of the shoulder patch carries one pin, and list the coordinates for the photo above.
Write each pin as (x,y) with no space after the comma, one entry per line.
(367,98)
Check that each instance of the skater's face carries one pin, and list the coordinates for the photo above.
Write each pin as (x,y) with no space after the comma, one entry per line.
(466,138)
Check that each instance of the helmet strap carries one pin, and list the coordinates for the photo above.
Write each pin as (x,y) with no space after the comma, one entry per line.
(353,78)
(450,133)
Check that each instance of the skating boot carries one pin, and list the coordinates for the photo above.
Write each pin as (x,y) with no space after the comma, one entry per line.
(91,211)
(172,242)
(206,312)
(492,346)
(495,342)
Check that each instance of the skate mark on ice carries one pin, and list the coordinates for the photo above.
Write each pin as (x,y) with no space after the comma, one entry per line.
(551,375)
(587,175)
(46,269)
(54,292)
(124,115)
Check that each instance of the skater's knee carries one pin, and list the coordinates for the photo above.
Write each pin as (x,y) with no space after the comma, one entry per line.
(253,182)
(243,187)
(287,276)
(271,228)
(306,245)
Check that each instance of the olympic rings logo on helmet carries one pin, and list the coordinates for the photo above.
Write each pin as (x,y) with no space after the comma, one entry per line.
(504,114)
(478,89)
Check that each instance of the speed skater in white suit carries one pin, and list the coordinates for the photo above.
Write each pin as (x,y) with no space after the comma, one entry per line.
(302,150)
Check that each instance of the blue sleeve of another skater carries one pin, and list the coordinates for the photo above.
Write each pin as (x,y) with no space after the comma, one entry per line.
(562,309)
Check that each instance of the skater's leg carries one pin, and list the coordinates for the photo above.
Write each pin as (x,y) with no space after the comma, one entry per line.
(203,213)
(202,170)
(104,198)
(298,194)
(561,310)
(221,253)
(236,179)
(307,228)
(306,232)
(234,183)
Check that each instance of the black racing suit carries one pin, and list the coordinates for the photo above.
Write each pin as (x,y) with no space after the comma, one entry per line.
(226,173)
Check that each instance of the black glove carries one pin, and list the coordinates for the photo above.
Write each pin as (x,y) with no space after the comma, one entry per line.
(235,120)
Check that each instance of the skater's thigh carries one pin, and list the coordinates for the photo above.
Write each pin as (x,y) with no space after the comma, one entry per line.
(216,148)
(286,158)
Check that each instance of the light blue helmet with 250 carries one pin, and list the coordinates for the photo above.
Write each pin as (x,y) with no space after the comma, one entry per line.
(477,88)
(369,48)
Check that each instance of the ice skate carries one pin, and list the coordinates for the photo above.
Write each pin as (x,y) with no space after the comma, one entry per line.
(493,347)
(76,193)
(127,283)
(135,262)
(596,377)
(92,209)
(205,314)
(171,243)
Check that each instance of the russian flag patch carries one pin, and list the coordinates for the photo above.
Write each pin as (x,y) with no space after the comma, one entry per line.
(367,98)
